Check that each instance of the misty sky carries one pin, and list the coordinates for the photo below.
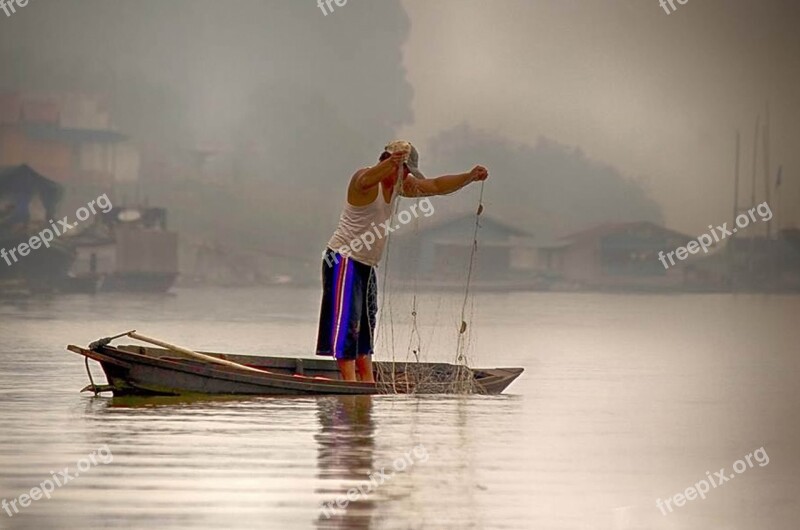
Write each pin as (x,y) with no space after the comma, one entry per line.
(658,96)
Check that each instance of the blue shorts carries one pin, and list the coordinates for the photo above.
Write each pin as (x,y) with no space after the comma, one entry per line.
(349,307)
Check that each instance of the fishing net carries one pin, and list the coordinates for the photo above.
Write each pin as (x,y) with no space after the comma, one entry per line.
(405,342)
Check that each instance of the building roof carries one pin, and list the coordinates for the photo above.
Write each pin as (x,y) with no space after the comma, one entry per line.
(608,229)
(486,221)
(24,179)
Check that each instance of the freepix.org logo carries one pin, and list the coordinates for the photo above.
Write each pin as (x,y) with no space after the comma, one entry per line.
(705,241)
(46,236)
(58,479)
(670,4)
(9,7)
(368,238)
(322,4)
(713,481)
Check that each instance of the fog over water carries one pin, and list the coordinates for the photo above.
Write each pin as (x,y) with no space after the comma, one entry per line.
(648,102)
(607,128)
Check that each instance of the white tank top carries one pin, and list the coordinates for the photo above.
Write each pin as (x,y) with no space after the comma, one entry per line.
(356,224)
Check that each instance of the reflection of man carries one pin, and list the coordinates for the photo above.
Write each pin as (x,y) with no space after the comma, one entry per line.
(346,443)
(349,292)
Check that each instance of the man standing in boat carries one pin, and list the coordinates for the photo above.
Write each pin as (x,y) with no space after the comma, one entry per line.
(349,286)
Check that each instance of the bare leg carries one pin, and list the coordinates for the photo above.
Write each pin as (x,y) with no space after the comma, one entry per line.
(348,369)
(364,365)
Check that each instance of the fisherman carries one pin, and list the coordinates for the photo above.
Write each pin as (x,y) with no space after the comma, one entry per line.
(349,288)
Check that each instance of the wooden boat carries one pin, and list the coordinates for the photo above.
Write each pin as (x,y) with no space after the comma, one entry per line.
(141,370)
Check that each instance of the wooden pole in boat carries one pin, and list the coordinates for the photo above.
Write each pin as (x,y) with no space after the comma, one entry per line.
(194,354)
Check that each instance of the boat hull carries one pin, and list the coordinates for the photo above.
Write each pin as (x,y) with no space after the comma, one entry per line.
(134,370)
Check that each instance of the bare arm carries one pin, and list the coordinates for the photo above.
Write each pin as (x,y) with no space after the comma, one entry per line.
(444,185)
(370,178)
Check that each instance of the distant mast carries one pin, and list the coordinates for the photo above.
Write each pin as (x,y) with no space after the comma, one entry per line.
(730,246)
(767,176)
(753,196)
(779,199)
(755,161)
(736,181)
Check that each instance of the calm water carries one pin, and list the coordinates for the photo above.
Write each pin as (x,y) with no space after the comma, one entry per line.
(625,399)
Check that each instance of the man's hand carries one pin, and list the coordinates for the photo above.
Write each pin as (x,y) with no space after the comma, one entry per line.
(399,157)
(369,178)
(478,173)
